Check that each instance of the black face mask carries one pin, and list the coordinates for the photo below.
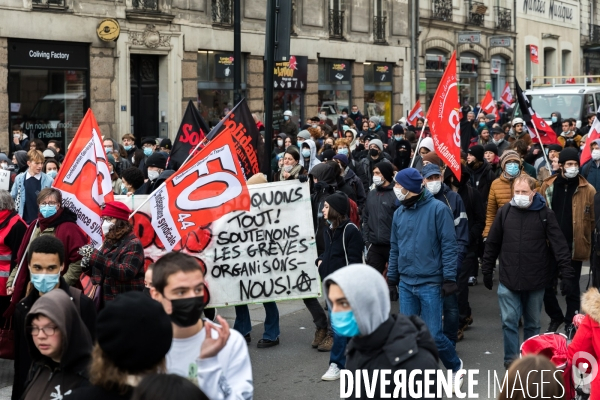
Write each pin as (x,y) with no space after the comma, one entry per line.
(373,152)
(411,201)
(186,312)
(146,291)
(360,147)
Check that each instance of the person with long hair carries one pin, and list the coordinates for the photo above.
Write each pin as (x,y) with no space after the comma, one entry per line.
(51,167)
(118,266)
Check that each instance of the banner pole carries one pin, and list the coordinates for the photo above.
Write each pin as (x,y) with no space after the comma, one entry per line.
(548,165)
(418,143)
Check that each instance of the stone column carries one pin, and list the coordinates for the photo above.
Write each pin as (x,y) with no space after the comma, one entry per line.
(103,89)
(189,79)
(311,97)
(358,86)
(255,88)
(398,89)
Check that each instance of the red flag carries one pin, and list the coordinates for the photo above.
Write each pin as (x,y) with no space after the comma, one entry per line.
(84,178)
(506,96)
(210,185)
(488,105)
(593,134)
(415,113)
(533,53)
(533,120)
(444,119)
(570,80)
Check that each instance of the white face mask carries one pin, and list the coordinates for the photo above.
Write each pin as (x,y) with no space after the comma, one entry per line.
(522,200)
(288,168)
(377,181)
(399,195)
(152,175)
(571,172)
(596,154)
(434,187)
(279,142)
(106,225)
(4,165)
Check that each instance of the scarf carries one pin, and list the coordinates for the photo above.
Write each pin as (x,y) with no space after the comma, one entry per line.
(293,172)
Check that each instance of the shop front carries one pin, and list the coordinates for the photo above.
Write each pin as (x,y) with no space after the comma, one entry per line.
(48,88)
(290,81)
(435,64)
(467,78)
(378,91)
(335,87)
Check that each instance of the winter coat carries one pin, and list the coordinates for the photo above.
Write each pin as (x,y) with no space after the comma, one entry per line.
(525,244)
(380,133)
(400,343)
(591,172)
(357,118)
(87,311)
(474,205)
(378,214)
(483,178)
(313,160)
(120,265)
(346,188)
(467,132)
(317,201)
(503,145)
(500,194)
(99,393)
(344,241)
(18,190)
(557,126)
(364,169)
(290,129)
(461,225)
(529,170)
(48,379)
(356,185)
(562,139)
(150,186)
(583,215)
(425,234)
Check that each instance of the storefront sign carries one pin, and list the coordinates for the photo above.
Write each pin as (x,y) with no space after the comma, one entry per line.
(496,66)
(46,54)
(382,72)
(108,30)
(292,74)
(223,65)
(500,42)
(339,71)
(469,37)
(557,11)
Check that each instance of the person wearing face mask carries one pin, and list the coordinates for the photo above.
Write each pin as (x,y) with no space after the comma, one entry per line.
(291,167)
(482,170)
(591,169)
(308,155)
(525,236)
(118,266)
(569,137)
(397,136)
(556,125)
(157,173)
(364,168)
(351,179)
(376,129)
(377,217)
(132,182)
(288,127)
(432,177)
(129,145)
(498,136)
(501,188)
(401,154)
(148,149)
(45,260)
(356,115)
(51,167)
(28,184)
(572,198)
(211,355)
(376,337)
(278,148)
(424,274)
(302,136)
(343,246)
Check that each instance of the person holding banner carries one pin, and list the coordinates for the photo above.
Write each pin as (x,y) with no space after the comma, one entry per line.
(28,184)
(118,266)
(291,168)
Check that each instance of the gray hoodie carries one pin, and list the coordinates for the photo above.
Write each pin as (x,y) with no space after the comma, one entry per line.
(366,291)
(313,155)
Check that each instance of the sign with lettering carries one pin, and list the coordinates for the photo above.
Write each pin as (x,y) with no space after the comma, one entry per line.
(47,54)
(557,12)
(224,65)
(292,74)
(4,179)
(265,254)
(339,71)
(496,66)
(469,37)
(500,42)
(382,73)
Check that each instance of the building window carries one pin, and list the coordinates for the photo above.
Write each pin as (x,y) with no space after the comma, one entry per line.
(378,91)
(435,64)
(468,76)
(336,19)
(498,72)
(215,84)
(334,87)
(567,67)
(48,88)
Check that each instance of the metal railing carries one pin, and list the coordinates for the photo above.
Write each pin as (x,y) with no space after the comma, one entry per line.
(222,12)
(442,9)
(504,18)
(336,24)
(379,29)
(145,5)
(594,33)
(476,13)
(48,3)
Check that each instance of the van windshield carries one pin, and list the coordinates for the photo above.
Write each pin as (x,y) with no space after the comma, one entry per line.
(568,105)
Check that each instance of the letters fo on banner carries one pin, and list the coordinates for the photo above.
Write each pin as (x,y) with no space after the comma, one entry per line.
(265,254)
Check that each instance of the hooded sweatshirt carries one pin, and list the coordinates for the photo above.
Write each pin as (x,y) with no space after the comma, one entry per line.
(21,157)
(313,156)
(48,379)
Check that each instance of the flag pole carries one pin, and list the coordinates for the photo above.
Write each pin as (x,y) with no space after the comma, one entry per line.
(418,143)
(548,165)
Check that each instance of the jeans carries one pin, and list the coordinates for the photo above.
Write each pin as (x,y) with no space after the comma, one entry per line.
(243,325)
(426,302)
(451,318)
(512,306)
(551,302)
(317,312)
(378,256)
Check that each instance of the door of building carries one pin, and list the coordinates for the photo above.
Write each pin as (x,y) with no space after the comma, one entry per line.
(144,96)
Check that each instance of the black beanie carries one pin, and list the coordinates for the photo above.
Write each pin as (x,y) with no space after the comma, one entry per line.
(387,170)
(157,160)
(398,129)
(477,152)
(491,147)
(134,331)
(339,202)
(568,154)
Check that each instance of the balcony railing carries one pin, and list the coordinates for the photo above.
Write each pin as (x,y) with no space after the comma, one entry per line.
(336,24)
(379,29)
(476,13)
(504,16)
(594,33)
(48,3)
(145,5)
(222,12)
(442,9)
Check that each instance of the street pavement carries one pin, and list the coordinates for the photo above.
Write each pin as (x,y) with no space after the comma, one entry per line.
(293,369)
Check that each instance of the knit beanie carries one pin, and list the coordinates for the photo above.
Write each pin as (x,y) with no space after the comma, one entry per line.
(509,155)
(432,158)
(398,129)
(157,160)
(568,154)
(477,152)
(377,143)
(304,134)
(410,179)
(116,209)
(339,202)
(343,159)
(491,147)
(374,119)
(386,169)
(427,143)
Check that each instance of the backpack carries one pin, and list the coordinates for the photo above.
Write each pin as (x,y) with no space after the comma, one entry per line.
(353,214)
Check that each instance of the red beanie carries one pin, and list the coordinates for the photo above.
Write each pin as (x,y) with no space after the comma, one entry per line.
(116,209)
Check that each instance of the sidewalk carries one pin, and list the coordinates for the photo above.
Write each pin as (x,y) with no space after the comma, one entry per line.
(6,379)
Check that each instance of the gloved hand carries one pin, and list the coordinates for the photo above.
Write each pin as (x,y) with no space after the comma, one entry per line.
(448,288)
(566,287)
(488,281)
(393,288)
(85,252)
(303,178)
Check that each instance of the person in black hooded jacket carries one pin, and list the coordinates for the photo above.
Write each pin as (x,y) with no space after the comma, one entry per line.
(323,177)
(556,122)
(60,346)
(482,174)
(401,154)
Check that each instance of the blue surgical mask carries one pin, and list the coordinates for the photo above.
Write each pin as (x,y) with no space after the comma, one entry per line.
(344,323)
(108,150)
(482,124)
(45,282)
(148,151)
(127,148)
(398,138)
(554,120)
(286,117)
(123,189)
(343,151)
(305,153)
(52,174)
(47,211)
(512,169)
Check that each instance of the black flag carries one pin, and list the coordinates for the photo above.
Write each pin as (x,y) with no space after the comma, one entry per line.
(192,131)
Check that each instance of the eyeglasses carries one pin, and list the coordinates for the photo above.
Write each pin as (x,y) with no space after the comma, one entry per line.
(107,219)
(48,330)
(49,203)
